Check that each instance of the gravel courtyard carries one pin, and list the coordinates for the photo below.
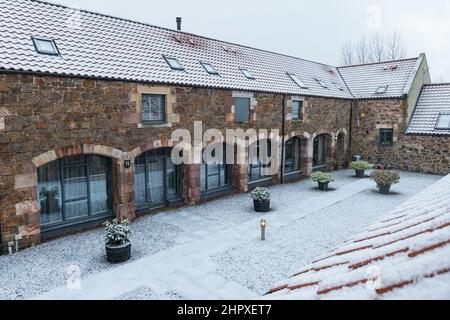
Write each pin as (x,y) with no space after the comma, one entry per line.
(210,250)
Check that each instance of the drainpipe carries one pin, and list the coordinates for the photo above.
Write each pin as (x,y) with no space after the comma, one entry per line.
(283,129)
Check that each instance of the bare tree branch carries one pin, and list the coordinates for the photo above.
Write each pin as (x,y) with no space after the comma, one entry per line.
(347,54)
(394,46)
(377,48)
(362,53)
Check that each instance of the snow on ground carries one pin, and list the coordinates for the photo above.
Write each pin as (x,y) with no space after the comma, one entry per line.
(255,264)
(146,293)
(258,265)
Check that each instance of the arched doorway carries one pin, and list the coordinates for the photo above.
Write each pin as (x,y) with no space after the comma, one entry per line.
(216,177)
(157,180)
(74,193)
(256,167)
(321,150)
(340,150)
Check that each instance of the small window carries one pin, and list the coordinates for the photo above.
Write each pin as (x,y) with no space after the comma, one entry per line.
(209,68)
(153,108)
(297,80)
(242,109)
(322,83)
(173,63)
(45,46)
(297,107)
(381,89)
(247,74)
(386,137)
(443,122)
(337,85)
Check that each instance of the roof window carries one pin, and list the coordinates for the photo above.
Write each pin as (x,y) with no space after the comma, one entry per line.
(297,80)
(173,63)
(209,68)
(247,74)
(443,122)
(322,83)
(337,85)
(45,46)
(381,89)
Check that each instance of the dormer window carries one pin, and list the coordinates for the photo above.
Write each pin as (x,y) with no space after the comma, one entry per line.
(45,46)
(443,122)
(322,83)
(381,89)
(209,68)
(247,74)
(297,80)
(173,63)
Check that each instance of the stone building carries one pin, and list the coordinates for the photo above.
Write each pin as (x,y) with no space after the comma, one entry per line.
(89,103)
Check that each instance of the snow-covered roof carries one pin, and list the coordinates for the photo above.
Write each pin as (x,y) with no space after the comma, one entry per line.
(105,47)
(405,255)
(434,100)
(364,80)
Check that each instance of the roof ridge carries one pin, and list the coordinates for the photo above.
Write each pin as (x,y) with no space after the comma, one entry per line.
(178,31)
(375,63)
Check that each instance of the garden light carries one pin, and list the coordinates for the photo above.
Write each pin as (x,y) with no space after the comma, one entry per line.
(263,225)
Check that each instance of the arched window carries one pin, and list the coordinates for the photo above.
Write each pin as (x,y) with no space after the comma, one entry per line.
(292,156)
(157,180)
(255,166)
(215,177)
(73,191)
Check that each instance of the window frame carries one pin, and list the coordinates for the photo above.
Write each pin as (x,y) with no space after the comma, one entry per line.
(213,71)
(169,58)
(295,160)
(300,110)
(439,120)
(384,87)
(236,107)
(39,50)
(321,83)
(382,132)
(297,80)
(247,73)
(164,120)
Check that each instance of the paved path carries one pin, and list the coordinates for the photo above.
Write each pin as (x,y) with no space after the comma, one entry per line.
(187,268)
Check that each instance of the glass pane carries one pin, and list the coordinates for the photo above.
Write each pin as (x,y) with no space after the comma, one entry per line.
(50,201)
(45,46)
(295,110)
(75,191)
(242,109)
(203,177)
(153,108)
(139,188)
(172,177)
(155,187)
(99,167)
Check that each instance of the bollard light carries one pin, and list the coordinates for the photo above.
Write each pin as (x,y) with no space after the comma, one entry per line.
(263,225)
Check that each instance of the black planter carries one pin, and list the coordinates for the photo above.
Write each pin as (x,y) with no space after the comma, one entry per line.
(118,254)
(360,173)
(323,186)
(261,206)
(384,189)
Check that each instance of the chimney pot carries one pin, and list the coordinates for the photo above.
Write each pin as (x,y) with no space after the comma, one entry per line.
(179,23)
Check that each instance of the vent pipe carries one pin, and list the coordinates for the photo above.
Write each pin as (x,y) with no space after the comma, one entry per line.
(179,23)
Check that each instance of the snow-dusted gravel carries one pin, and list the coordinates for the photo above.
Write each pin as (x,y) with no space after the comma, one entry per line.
(255,264)
(259,265)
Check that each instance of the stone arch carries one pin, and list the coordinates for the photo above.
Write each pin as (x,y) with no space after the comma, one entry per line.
(323,150)
(306,150)
(340,147)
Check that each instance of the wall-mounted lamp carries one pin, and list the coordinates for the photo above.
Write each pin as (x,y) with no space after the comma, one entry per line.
(127,164)
(263,225)
(362,115)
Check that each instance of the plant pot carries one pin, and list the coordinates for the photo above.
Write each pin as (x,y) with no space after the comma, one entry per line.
(384,189)
(118,254)
(360,173)
(261,206)
(323,186)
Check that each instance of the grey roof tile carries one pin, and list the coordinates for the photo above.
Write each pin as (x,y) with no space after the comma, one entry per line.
(100,46)
(434,99)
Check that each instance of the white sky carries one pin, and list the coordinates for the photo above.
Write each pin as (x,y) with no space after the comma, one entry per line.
(309,29)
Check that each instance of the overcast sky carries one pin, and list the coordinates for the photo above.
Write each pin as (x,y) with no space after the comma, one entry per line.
(309,29)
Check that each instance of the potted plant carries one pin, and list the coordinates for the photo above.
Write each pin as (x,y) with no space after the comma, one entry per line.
(261,199)
(118,245)
(360,167)
(385,179)
(323,179)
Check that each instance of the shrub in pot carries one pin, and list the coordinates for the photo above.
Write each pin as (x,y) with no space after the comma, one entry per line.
(323,179)
(261,199)
(360,167)
(118,245)
(385,179)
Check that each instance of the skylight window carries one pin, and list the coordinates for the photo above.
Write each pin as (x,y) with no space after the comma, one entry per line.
(173,63)
(297,80)
(381,89)
(322,83)
(45,46)
(209,68)
(443,122)
(247,74)
(337,85)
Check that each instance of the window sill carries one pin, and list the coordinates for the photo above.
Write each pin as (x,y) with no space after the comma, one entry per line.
(155,125)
